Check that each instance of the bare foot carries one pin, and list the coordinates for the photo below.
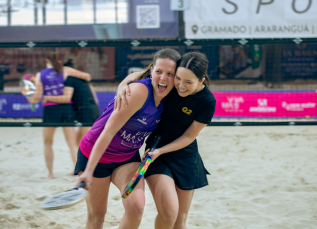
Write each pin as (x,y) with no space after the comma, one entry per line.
(50,176)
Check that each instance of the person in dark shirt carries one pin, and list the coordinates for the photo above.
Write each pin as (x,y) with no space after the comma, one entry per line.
(177,168)
(84,101)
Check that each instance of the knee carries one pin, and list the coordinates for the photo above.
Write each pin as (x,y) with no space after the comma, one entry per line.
(135,208)
(181,220)
(96,217)
(48,142)
(169,216)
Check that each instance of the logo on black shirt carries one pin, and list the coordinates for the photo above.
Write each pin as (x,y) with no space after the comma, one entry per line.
(186,110)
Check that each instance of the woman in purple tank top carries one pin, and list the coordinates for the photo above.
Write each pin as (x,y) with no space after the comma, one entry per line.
(109,152)
(50,81)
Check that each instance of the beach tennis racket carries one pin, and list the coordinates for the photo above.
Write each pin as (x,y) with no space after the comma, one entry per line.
(65,199)
(141,170)
(27,85)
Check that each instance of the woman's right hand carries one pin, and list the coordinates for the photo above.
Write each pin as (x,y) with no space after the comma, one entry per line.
(122,92)
(86,177)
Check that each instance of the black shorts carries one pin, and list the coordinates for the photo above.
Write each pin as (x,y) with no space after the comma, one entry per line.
(58,113)
(87,114)
(102,169)
(187,172)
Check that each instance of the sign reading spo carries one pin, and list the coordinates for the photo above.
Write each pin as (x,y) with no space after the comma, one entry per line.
(207,19)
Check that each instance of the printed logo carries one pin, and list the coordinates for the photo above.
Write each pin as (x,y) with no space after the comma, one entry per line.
(233,104)
(157,121)
(142,121)
(2,102)
(297,106)
(262,107)
(194,29)
(186,110)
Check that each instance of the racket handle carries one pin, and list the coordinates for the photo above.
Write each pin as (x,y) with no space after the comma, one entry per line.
(156,141)
(81,185)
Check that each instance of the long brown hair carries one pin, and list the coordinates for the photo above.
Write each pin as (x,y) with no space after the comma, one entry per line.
(57,64)
(162,54)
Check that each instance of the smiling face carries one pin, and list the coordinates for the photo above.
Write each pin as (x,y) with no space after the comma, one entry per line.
(186,82)
(163,73)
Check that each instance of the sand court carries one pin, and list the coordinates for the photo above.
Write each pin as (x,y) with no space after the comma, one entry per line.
(261,177)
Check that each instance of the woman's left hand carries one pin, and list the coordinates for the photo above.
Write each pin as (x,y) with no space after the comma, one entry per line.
(155,154)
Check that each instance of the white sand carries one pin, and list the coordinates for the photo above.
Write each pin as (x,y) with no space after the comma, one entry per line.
(262,177)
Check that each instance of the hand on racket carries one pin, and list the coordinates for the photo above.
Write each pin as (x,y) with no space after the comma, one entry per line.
(85,177)
(154,154)
(65,199)
(27,86)
(141,170)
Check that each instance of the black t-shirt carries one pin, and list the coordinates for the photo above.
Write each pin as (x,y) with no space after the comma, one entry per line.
(180,112)
(82,95)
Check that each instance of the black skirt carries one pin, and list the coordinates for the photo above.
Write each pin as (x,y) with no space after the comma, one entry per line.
(187,170)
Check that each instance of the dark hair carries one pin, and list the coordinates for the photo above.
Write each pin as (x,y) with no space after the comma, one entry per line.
(57,65)
(162,54)
(197,63)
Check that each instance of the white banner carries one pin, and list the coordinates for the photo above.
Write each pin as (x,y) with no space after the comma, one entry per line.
(208,19)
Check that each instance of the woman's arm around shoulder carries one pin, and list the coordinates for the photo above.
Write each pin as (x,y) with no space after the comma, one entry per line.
(124,89)
(65,98)
(68,71)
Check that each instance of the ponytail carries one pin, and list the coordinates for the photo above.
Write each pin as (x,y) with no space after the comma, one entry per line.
(207,80)
(146,73)
(57,65)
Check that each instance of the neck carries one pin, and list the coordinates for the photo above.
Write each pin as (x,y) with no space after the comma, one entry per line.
(48,65)
(199,88)
(157,100)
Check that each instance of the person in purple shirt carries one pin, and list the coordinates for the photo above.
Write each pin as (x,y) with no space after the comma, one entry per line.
(177,169)
(50,82)
(109,152)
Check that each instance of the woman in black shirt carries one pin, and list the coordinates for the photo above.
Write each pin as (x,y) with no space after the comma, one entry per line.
(177,168)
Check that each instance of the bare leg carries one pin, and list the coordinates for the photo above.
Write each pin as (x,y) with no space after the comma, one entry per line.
(134,204)
(70,136)
(97,200)
(48,135)
(165,196)
(184,198)
(80,132)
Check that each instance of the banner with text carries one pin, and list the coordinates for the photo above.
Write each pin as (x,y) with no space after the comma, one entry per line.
(257,104)
(207,19)
(237,104)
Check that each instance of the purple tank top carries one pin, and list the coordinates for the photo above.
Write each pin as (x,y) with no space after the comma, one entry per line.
(131,136)
(53,83)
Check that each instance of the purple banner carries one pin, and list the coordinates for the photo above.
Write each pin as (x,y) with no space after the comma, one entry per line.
(17,106)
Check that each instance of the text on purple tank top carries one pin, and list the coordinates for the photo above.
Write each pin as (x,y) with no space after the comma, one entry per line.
(53,83)
(131,136)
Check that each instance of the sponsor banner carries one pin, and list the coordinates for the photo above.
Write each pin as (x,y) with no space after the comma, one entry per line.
(229,19)
(290,104)
(99,62)
(17,106)
(136,59)
(299,61)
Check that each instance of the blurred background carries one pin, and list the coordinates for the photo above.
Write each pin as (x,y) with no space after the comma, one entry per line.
(262,56)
